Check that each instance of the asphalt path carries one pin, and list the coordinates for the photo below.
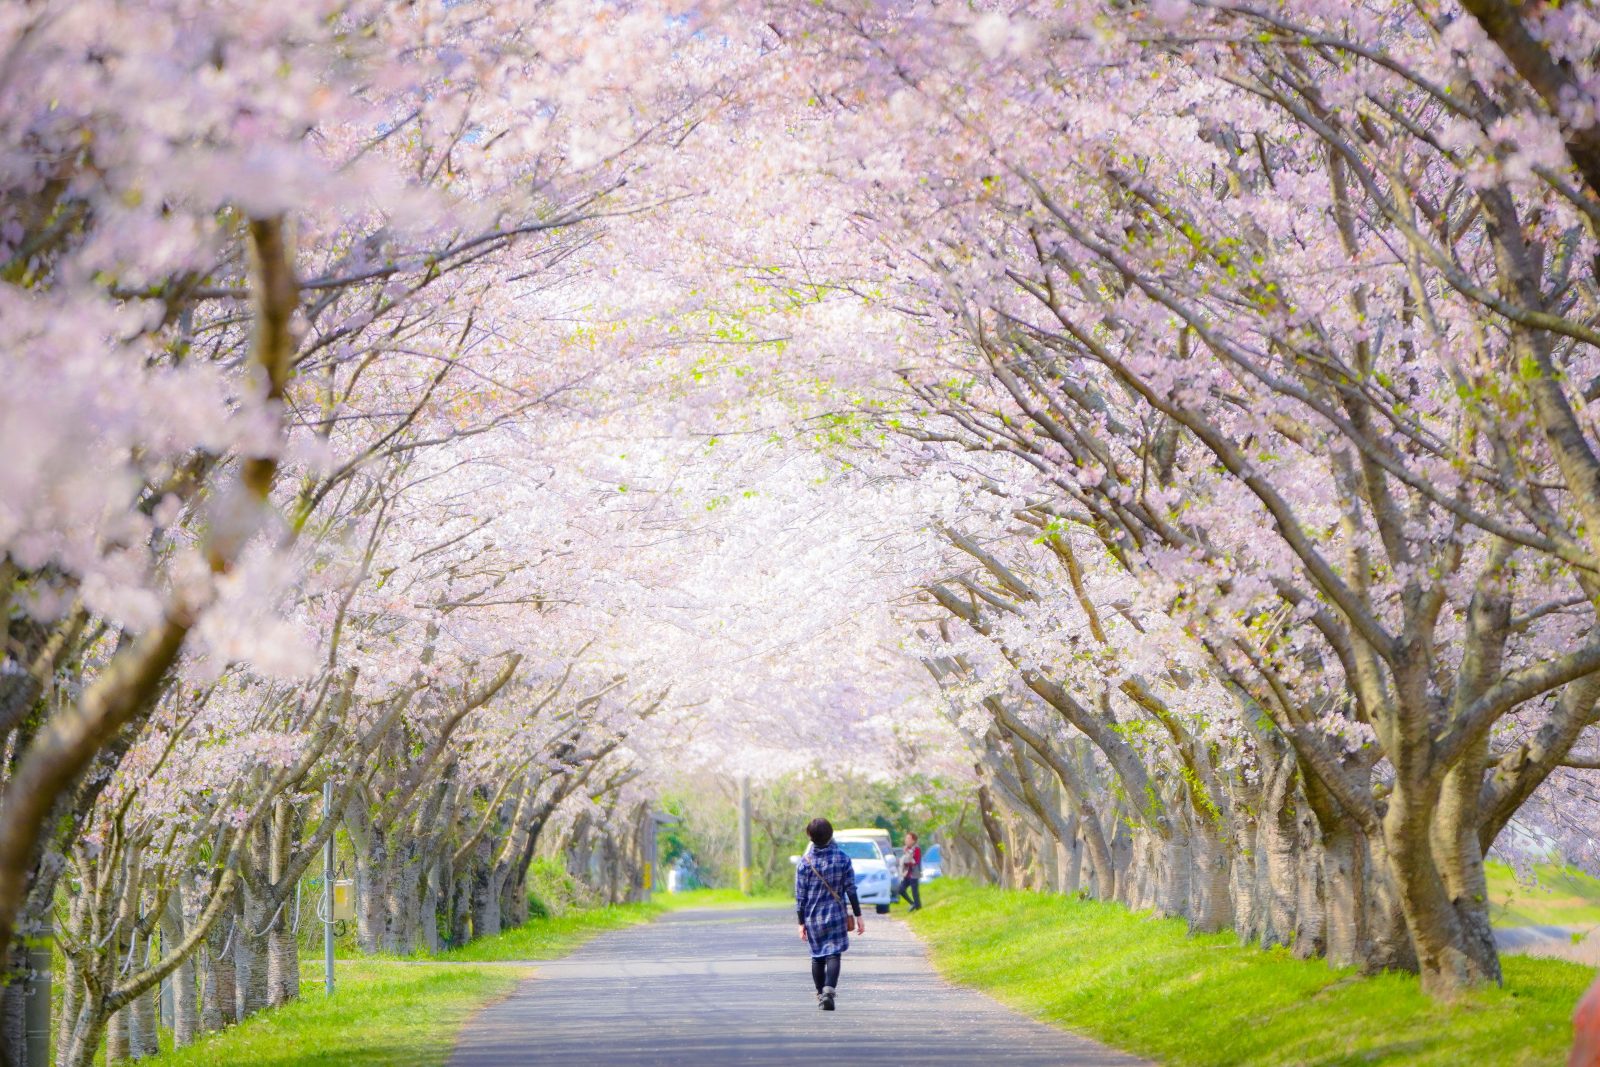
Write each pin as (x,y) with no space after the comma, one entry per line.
(716,988)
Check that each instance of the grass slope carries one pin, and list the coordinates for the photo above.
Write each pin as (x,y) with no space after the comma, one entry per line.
(549,937)
(404,1013)
(1144,985)
(384,1013)
(722,898)
(1559,896)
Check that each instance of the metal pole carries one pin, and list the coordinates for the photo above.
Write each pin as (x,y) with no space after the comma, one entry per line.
(650,855)
(327,890)
(36,999)
(746,874)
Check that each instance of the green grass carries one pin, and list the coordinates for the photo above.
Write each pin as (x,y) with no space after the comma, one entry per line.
(549,937)
(722,898)
(1560,896)
(404,1012)
(1144,985)
(384,1013)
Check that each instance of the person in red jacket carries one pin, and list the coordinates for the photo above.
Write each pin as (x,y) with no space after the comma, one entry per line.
(1586,1030)
(910,872)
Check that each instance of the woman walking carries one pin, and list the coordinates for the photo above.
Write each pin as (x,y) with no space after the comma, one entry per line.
(910,872)
(823,882)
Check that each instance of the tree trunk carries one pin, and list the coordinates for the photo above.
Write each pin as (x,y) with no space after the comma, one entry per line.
(1174,865)
(250,946)
(283,961)
(1344,863)
(1210,899)
(1310,908)
(71,1000)
(1391,948)
(117,1045)
(219,999)
(184,1019)
(1460,857)
(433,893)
(1448,958)
(143,1035)
(485,904)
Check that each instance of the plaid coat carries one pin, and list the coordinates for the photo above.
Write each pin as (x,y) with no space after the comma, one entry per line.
(823,915)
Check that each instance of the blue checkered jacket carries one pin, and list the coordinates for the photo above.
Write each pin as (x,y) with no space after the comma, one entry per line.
(819,910)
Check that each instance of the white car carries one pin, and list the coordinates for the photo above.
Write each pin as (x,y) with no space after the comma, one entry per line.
(874,882)
(891,855)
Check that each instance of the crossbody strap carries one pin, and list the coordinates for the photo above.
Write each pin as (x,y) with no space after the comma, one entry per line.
(823,879)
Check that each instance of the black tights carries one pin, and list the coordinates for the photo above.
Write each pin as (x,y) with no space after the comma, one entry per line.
(825,971)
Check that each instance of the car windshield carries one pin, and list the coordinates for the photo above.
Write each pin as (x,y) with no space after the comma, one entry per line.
(933,854)
(859,850)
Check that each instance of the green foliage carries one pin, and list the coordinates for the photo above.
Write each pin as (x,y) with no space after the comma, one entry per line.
(553,891)
(674,840)
(707,810)
(1143,984)
(383,1014)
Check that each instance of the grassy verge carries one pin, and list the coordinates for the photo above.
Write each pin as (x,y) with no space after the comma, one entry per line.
(722,898)
(1559,896)
(1144,985)
(549,937)
(384,1013)
(402,1012)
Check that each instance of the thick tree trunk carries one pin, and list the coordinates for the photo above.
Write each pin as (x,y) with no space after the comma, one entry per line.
(184,1016)
(1280,882)
(250,948)
(1243,880)
(1460,858)
(283,961)
(485,904)
(1344,865)
(1310,908)
(143,1036)
(1124,891)
(219,998)
(464,878)
(1174,866)
(71,1000)
(117,1044)
(372,892)
(1448,956)
(1391,948)
(433,894)
(1210,900)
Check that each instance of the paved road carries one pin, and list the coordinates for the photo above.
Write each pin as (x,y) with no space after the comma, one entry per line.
(718,988)
(1579,944)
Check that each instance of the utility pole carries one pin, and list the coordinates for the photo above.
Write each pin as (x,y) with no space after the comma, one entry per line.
(36,999)
(327,890)
(746,873)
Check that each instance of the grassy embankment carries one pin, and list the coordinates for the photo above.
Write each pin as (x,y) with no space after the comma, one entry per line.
(1559,896)
(407,1012)
(1144,985)
(723,898)
(404,1013)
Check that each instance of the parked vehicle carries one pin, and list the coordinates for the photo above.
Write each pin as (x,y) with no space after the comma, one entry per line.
(891,855)
(932,863)
(874,880)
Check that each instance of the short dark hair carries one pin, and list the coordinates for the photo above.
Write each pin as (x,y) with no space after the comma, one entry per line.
(913,835)
(820,831)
